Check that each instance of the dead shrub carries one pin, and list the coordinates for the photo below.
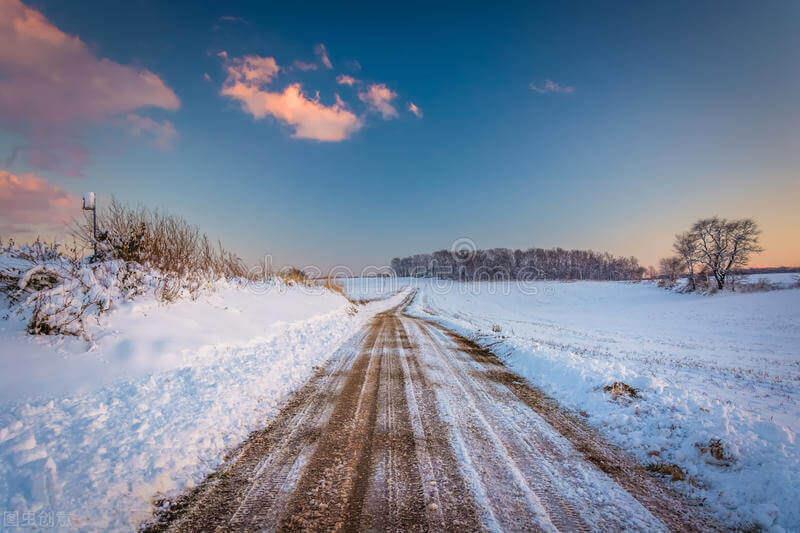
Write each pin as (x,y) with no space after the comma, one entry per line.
(293,276)
(331,285)
(716,450)
(42,277)
(496,328)
(159,240)
(618,389)
(168,290)
(667,469)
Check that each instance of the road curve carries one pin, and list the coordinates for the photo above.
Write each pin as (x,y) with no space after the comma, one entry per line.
(410,427)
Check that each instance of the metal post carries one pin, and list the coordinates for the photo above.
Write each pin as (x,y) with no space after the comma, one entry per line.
(94,230)
(89,204)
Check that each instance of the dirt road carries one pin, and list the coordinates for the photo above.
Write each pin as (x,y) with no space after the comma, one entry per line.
(410,428)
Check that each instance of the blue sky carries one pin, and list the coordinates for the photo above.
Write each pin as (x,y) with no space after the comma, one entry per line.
(656,114)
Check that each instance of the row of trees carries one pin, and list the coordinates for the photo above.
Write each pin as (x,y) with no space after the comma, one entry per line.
(504,263)
(712,248)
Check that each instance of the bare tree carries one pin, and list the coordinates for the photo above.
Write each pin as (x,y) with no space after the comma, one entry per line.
(725,245)
(687,248)
(672,268)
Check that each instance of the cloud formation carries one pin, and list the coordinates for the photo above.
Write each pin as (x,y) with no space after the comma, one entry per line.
(303,66)
(29,203)
(378,98)
(51,81)
(250,70)
(322,54)
(414,108)
(549,86)
(162,134)
(247,81)
(344,79)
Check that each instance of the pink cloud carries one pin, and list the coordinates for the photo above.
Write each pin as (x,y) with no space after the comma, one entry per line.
(414,108)
(310,118)
(322,54)
(378,98)
(303,66)
(251,70)
(51,81)
(344,79)
(163,134)
(29,203)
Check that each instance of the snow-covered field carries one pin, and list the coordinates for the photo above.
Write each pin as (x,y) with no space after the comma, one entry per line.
(374,288)
(94,429)
(723,367)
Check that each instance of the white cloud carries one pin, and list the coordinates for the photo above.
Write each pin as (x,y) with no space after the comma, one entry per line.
(549,86)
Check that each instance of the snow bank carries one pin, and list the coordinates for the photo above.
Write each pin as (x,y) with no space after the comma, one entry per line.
(707,367)
(93,428)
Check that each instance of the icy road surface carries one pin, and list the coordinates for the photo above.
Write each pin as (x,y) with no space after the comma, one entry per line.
(410,427)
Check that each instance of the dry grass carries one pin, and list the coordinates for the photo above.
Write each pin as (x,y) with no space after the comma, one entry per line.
(618,389)
(667,469)
(159,240)
(332,285)
(716,450)
(294,276)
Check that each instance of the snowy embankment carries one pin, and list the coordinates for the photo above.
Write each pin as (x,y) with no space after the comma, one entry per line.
(93,428)
(721,367)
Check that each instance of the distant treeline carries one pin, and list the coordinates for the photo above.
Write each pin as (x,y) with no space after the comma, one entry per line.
(534,263)
(768,270)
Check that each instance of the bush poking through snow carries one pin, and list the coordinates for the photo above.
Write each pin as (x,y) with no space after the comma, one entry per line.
(667,469)
(158,240)
(294,276)
(496,328)
(716,450)
(139,251)
(58,293)
(618,389)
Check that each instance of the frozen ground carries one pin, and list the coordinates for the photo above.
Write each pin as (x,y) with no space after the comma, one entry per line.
(97,429)
(708,367)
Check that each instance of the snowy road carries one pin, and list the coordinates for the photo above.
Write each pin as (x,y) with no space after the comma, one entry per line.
(410,427)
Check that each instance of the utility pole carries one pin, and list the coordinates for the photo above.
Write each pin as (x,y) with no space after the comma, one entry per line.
(89,204)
